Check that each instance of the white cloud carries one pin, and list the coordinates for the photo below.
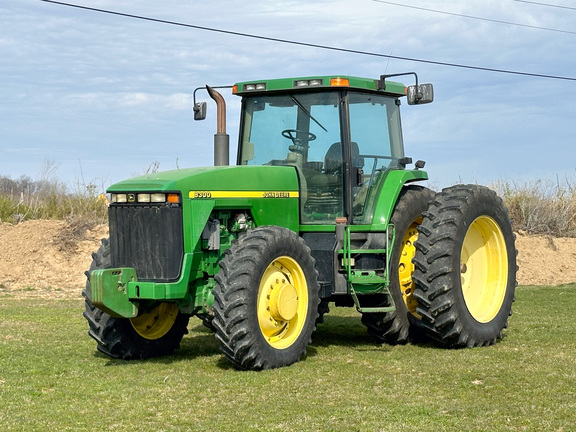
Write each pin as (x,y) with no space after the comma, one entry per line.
(78,80)
(140,101)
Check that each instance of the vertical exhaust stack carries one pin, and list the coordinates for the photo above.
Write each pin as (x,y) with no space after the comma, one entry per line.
(221,138)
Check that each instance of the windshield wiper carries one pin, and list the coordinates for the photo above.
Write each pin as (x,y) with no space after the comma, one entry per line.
(297,102)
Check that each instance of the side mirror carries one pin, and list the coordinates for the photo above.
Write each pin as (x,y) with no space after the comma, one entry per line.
(420,94)
(200,111)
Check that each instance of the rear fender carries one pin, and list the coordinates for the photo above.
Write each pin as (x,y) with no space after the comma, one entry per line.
(391,188)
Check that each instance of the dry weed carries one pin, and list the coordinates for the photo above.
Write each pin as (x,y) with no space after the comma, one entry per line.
(541,207)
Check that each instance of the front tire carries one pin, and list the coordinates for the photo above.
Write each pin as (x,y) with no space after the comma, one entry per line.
(156,332)
(266,299)
(465,267)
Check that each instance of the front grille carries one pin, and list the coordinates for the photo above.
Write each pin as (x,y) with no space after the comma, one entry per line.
(148,239)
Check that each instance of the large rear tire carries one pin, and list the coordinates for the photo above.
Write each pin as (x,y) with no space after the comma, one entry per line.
(157,332)
(266,299)
(401,325)
(465,267)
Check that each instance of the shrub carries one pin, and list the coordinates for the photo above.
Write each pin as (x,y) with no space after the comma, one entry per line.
(25,199)
(541,207)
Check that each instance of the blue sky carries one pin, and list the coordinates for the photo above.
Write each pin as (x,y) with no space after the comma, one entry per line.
(101,98)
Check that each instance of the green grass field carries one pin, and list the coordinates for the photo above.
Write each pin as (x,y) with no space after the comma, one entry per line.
(52,378)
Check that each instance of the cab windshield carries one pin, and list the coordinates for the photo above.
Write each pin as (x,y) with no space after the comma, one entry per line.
(305,131)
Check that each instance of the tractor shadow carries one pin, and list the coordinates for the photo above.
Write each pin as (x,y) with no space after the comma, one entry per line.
(335,331)
(342,331)
(198,343)
(348,331)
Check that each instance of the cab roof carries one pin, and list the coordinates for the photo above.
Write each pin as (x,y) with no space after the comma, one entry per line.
(318,83)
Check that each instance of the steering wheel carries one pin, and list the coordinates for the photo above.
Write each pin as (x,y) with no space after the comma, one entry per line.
(298,142)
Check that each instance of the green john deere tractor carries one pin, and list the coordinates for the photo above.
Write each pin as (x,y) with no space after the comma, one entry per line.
(320,208)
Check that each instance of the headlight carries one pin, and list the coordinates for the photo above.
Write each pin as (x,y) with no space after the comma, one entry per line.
(308,83)
(145,198)
(158,198)
(119,198)
(253,87)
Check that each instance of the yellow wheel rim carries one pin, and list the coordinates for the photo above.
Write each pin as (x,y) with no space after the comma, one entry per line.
(484,269)
(156,323)
(406,268)
(282,302)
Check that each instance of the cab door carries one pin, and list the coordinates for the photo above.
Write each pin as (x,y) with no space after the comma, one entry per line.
(374,148)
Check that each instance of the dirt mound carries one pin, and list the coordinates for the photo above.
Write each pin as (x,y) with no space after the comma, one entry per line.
(46,258)
(49,258)
(545,260)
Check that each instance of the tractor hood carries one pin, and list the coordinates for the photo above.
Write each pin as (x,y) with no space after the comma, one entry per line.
(214,179)
(268,193)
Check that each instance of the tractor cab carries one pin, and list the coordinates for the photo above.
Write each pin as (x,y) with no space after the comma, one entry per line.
(342,135)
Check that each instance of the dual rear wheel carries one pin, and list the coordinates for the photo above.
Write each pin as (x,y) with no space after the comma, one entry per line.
(453,271)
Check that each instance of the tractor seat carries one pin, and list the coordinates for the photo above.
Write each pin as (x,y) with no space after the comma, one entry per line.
(333,158)
(332,175)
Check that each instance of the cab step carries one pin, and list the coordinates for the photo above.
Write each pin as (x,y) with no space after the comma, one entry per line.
(365,282)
